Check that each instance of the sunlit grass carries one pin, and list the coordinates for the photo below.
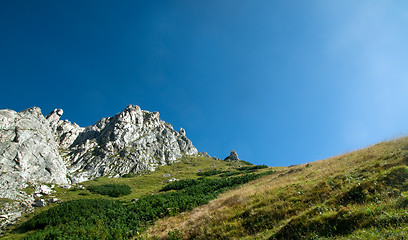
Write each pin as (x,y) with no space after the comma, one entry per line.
(343,197)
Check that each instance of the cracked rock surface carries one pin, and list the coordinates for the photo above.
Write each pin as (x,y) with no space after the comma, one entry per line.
(36,150)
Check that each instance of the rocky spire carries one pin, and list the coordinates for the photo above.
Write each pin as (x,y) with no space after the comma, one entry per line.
(232,157)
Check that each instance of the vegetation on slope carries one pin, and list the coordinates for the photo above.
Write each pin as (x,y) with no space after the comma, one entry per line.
(112,190)
(106,218)
(359,195)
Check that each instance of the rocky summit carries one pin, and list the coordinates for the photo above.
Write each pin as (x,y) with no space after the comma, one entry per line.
(38,150)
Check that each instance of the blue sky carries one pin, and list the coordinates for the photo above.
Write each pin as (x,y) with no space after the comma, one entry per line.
(281,82)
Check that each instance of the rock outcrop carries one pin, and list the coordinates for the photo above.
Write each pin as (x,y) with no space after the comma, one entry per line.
(28,152)
(65,132)
(232,157)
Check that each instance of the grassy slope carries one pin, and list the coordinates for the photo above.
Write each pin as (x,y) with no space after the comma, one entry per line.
(358,195)
(143,184)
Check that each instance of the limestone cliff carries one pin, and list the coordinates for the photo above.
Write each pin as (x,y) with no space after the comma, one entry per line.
(129,142)
(37,150)
(28,152)
(34,148)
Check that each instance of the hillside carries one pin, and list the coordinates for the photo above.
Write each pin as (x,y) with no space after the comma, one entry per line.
(205,177)
(358,195)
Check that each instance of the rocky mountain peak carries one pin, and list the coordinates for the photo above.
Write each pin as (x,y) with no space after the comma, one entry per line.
(133,140)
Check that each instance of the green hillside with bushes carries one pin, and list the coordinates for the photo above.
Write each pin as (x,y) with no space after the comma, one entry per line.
(357,195)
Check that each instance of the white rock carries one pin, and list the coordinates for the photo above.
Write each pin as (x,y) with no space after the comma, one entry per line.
(172,180)
(45,190)
(37,195)
(66,186)
(54,200)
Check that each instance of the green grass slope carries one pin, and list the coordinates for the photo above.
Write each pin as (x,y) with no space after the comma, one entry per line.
(358,195)
(104,210)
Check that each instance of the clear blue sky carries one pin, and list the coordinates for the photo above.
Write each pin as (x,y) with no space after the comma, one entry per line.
(281,82)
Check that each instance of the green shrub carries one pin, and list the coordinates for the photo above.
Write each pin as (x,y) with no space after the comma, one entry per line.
(83,219)
(174,235)
(112,190)
(396,176)
(252,168)
(109,219)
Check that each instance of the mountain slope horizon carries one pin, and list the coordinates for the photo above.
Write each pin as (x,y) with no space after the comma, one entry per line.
(357,195)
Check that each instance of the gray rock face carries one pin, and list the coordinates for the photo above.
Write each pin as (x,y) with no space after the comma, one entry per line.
(232,157)
(65,132)
(34,148)
(28,152)
(129,142)
(37,150)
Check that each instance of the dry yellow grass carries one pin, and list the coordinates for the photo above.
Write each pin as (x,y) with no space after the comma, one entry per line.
(223,213)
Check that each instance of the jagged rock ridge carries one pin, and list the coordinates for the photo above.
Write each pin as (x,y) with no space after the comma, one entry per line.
(35,150)
(129,142)
(38,149)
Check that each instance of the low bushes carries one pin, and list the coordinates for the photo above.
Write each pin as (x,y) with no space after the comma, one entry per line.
(252,168)
(112,190)
(110,219)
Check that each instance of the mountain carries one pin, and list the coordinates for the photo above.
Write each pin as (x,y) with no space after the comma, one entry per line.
(37,150)
(129,142)
(189,195)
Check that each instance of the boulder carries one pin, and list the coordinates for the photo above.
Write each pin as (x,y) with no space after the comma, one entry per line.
(40,203)
(172,180)
(45,190)
(54,200)
(65,186)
